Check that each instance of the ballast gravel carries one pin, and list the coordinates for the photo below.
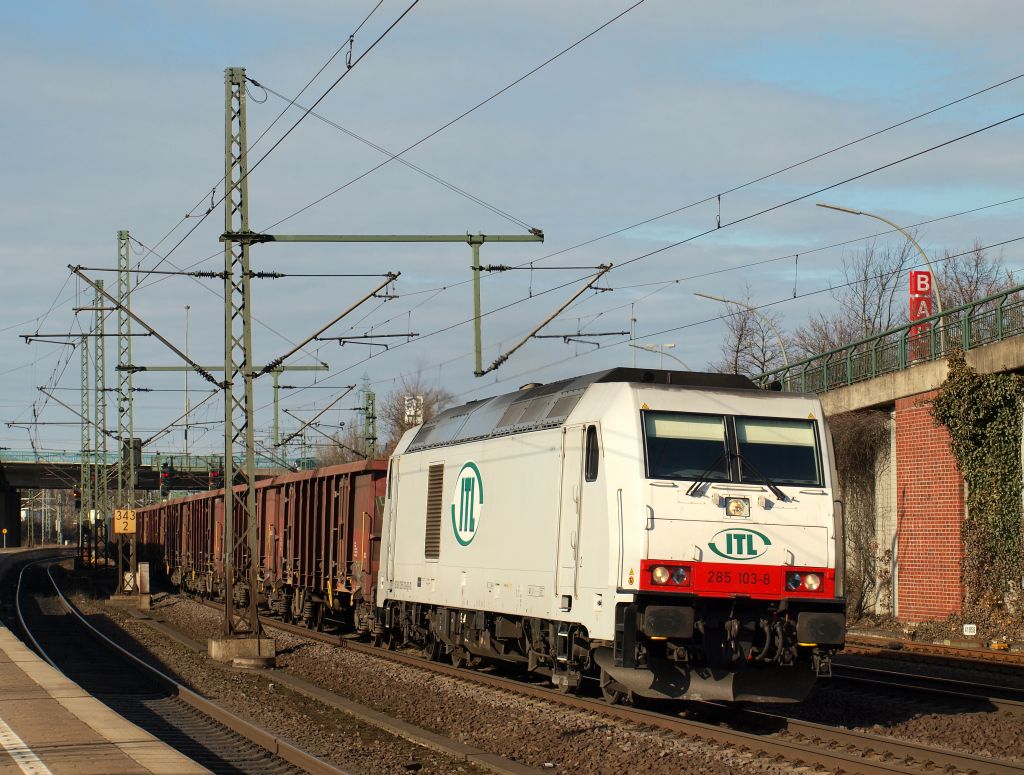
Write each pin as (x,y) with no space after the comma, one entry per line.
(531,732)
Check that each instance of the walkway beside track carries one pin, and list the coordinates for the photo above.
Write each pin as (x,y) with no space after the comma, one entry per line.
(49,724)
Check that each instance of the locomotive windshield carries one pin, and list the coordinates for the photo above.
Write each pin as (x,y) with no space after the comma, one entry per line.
(722,448)
(684,446)
(783,451)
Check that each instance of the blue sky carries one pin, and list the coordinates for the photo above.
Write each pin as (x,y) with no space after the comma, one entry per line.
(114,120)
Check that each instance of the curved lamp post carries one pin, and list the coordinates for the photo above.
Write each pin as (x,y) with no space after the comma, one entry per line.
(765,318)
(660,348)
(905,233)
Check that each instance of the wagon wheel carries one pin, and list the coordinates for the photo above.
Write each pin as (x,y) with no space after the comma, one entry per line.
(318,617)
(613,693)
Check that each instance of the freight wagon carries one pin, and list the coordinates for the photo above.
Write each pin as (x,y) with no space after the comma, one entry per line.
(318,534)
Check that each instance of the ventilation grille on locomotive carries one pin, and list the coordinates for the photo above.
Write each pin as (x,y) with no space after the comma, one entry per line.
(435,494)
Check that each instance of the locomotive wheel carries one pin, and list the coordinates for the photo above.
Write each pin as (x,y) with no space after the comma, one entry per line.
(385,640)
(611,692)
(432,648)
(459,657)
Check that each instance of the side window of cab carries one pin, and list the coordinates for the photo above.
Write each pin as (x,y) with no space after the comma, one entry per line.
(592,459)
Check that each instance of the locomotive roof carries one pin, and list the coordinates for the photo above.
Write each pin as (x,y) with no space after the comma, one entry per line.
(547,406)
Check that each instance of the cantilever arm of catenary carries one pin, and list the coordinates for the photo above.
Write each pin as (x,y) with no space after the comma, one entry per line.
(104,431)
(317,416)
(392,276)
(167,428)
(329,437)
(198,369)
(605,268)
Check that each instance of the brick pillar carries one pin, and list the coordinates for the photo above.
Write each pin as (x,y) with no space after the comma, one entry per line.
(930,513)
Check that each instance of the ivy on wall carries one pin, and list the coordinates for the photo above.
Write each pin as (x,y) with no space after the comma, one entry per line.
(861,443)
(983,415)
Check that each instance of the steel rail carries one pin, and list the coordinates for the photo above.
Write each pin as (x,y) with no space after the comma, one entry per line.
(256,734)
(901,649)
(825,746)
(1006,698)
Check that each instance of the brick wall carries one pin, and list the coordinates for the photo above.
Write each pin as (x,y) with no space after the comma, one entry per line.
(930,512)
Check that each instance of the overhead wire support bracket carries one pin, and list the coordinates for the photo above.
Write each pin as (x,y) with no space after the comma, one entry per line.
(317,416)
(246,238)
(391,277)
(605,268)
(163,340)
(89,421)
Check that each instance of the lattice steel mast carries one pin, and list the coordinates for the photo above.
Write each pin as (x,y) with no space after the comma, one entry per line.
(100,491)
(85,481)
(241,554)
(126,556)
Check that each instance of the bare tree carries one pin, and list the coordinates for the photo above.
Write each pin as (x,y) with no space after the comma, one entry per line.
(967,276)
(346,446)
(396,414)
(868,302)
(751,346)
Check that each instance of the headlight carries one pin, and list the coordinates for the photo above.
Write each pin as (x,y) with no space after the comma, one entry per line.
(793,581)
(812,581)
(660,574)
(737,507)
(680,576)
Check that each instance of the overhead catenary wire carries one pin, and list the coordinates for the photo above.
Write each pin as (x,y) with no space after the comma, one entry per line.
(727,224)
(759,307)
(462,115)
(347,43)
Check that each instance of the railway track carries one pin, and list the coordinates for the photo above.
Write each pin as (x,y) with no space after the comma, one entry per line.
(154,701)
(773,736)
(915,651)
(1002,698)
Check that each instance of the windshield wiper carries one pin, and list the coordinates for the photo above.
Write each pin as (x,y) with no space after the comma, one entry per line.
(764,479)
(703,478)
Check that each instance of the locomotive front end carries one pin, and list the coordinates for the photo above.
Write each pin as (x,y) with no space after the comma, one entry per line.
(737,565)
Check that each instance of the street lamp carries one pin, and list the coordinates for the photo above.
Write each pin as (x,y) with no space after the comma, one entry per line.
(767,320)
(660,348)
(905,233)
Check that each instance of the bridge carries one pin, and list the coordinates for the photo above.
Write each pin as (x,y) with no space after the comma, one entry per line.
(919,506)
(25,470)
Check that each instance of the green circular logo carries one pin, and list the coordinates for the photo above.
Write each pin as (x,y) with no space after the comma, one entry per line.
(467,503)
(739,543)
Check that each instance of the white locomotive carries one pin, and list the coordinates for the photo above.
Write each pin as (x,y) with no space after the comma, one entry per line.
(672,534)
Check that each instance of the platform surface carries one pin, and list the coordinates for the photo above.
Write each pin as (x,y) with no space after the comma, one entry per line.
(49,724)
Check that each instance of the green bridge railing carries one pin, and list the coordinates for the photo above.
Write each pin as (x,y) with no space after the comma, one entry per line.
(981,322)
(154,460)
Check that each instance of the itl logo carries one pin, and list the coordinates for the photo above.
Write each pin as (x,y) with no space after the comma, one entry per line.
(739,544)
(467,503)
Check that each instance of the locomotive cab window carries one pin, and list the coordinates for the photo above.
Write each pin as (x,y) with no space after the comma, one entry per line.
(593,455)
(782,451)
(685,446)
